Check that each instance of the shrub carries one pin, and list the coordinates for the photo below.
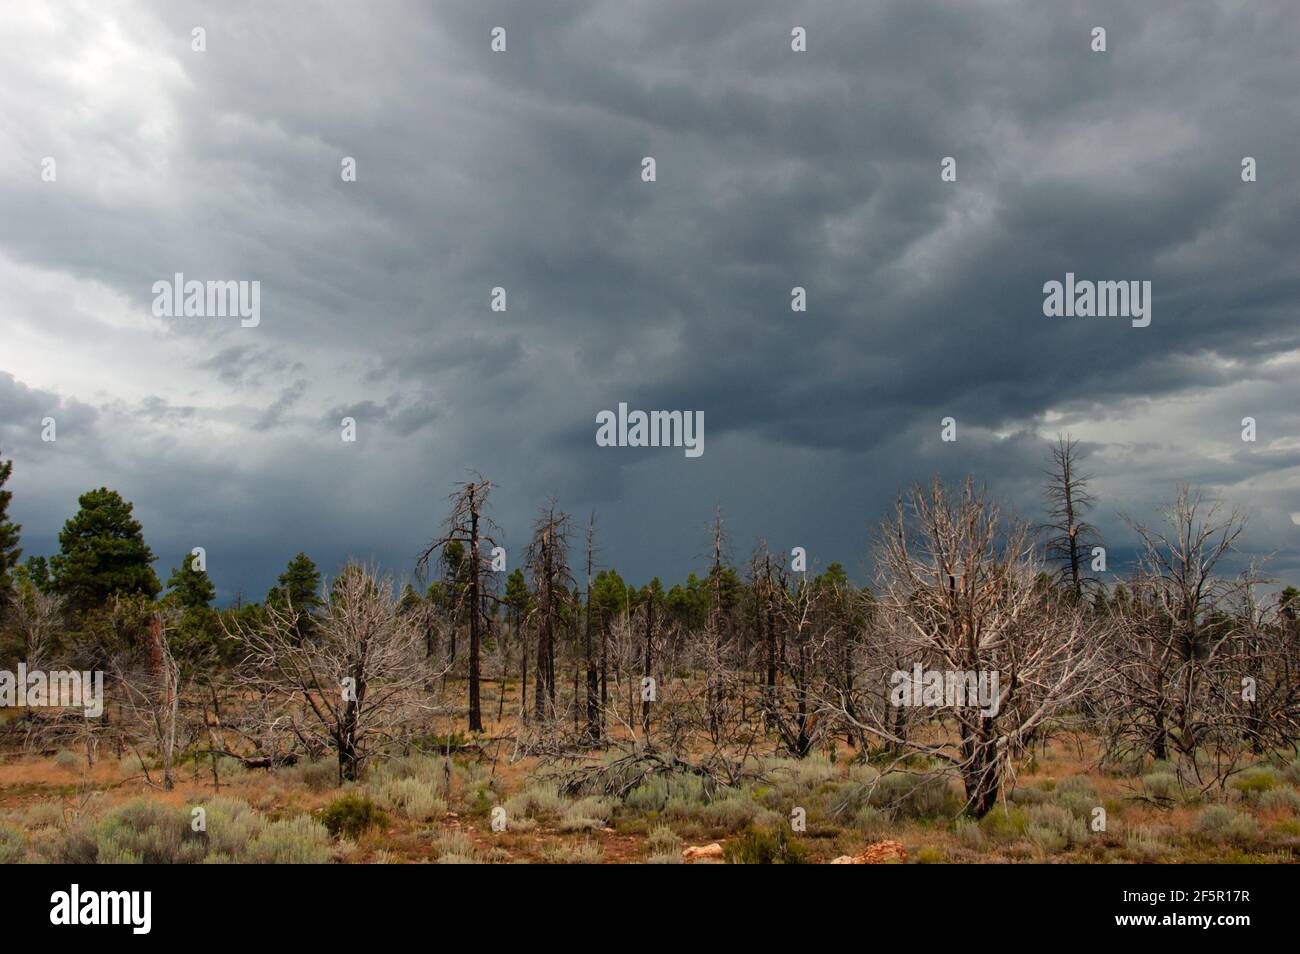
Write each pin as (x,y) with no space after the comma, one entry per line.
(454,843)
(43,815)
(1286,799)
(664,840)
(1029,795)
(1254,782)
(764,846)
(930,855)
(229,768)
(232,826)
(872,821)
(730,813)
(351,815)
(796,777)
(13,846)
(411,798)
(147,832)
(1162,786)
(1292,772)
(969,834)
(131,764)
(1053,828)
(1146,844)
(536,801)
(900,795)
(1004,823)
(294,841)
(68,761)
(572,853)
(1224,824)
(319,776)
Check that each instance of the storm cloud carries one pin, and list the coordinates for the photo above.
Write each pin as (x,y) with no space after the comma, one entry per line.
(522,170)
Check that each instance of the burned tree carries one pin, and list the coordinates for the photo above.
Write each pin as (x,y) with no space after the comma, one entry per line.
(358,682)
(1171,642)
(957,590)
(468,526)
(1070,536)
(547,559)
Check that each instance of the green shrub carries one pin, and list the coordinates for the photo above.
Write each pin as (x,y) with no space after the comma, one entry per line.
(1226,825)
(68,761)
(351,815)
(1002,823)
(1162,786)
(900,795)
(872,821)
(319,776)
(1287,799)
(664,840)
(411,798)
(1053,828)
(155,833)
(969,834)
(764,846)
(1147,844)
(294,841)
(572,853)
(930,855)
(454,843)
(43,815)
(536,801)
(13,846)
(1254,782)
(1029,795)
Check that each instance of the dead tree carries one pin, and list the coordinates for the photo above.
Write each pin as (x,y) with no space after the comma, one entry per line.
(152,692)
(1171,643)
(468,525)
(958,585)
(1069,534)
(595,690)
(547,559)
(360,682)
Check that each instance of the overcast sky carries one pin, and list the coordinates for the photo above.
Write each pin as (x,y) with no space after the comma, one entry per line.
(522,169)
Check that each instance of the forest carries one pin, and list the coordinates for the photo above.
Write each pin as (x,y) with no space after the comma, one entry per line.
(996,691)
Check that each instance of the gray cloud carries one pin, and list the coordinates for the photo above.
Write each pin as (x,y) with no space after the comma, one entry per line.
(522,170)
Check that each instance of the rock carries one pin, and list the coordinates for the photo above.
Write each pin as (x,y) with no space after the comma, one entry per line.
(693,852)
(879,853)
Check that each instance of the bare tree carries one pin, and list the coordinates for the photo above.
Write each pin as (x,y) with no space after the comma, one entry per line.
(36,617)
(1171,641)
(548,562)
(152,686)
(595,688)
(957,586)
(1070,536)
(358,683)
(468,525)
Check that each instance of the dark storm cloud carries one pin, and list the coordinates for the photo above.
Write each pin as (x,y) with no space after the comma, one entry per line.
(521,170)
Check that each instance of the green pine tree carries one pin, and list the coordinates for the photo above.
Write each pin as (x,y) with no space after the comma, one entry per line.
(299,586)
(9,549)
(102,552)
(190,585)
